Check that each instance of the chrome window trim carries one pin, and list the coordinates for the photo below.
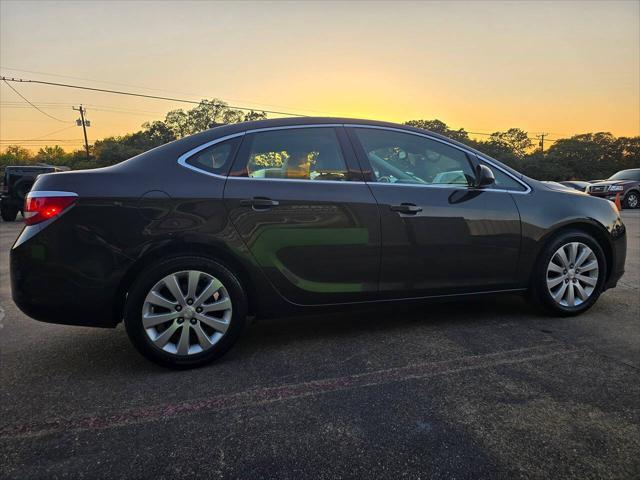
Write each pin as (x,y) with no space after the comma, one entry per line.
(50,193)
(451,186)
(182,159)
(291,127)
(425,185)
(426,135)
(318,182)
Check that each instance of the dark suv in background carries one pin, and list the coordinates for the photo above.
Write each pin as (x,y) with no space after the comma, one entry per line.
(16,183)
(625,182)
(300,215)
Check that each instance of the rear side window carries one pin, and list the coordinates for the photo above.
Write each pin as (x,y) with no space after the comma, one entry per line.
(293,153)
(216,158)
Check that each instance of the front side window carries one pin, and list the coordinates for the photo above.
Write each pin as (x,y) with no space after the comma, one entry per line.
(397,157)
(296,153)
(504,181)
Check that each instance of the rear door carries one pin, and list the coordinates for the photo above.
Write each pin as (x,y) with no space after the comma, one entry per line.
(297,198)
(440,235)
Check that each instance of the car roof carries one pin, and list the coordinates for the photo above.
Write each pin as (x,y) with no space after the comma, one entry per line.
(293,121)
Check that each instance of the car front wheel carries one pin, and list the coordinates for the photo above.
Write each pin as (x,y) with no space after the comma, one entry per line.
(570,273)
(185,312)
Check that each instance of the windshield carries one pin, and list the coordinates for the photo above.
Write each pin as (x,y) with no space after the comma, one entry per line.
(633,174)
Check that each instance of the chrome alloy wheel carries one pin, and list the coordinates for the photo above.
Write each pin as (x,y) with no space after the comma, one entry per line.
(186,312)
(572,274)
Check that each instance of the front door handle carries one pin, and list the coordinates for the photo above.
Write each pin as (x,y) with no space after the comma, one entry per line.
(408,208)
(259,203)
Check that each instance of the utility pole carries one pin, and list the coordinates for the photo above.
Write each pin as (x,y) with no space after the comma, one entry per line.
(541,138)
(85,124)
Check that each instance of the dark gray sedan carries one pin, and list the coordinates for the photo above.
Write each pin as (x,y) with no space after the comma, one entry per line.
(300,215)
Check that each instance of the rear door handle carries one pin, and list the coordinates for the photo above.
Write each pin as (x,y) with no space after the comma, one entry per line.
(408,208)
(259,203)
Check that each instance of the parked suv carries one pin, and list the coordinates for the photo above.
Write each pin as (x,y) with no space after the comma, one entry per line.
(300,215)
(16,183)
(625,182)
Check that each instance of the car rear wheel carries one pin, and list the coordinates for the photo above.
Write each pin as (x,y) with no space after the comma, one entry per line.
(185,312)
(570,273)
(632,200)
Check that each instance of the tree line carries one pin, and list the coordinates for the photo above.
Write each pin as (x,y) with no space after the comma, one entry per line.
(585,156)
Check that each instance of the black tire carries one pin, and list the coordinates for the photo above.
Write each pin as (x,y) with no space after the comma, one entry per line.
(539,293)
(21,188)
(9,214)
(632,200)
(145,282)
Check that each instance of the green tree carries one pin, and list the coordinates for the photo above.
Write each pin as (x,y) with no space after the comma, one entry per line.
(587,156)
(629,148)
(51,155)
(206,114)
(15,155)
(438,126)
(113,150)
(514,140)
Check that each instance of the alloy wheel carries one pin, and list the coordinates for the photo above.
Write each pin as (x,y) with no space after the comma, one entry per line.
(632,200)
(187,312)
(572,274)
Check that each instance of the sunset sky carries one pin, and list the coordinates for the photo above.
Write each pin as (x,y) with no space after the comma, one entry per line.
(558,67)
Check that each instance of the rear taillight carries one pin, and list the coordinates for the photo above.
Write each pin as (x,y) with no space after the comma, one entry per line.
(41,206)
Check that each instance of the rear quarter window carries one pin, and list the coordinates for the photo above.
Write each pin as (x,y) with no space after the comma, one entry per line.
(214,159)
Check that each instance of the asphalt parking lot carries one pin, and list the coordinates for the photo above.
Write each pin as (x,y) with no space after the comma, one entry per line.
(480,389)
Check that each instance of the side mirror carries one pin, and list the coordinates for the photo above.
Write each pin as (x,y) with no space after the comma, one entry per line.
(484,176)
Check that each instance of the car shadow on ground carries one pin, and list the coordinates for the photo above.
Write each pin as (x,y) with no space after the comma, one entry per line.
(389,317)
(98,352)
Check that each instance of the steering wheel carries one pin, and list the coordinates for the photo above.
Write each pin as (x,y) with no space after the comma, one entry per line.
(384,179)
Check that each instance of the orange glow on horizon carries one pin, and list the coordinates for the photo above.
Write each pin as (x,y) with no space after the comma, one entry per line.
(563,67)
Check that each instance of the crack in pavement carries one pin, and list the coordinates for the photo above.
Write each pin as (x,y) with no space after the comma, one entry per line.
(265,395)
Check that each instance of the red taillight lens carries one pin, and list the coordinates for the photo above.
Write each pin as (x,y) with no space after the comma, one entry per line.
(39,209)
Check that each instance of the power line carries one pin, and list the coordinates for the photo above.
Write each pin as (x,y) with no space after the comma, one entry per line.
(26,100)
(193,102)
(95,108)
(157,89)
(53,133)
(42,144)
(5,140)
(132,94)
(48,74)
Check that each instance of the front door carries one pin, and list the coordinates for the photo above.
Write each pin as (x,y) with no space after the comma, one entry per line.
(440,235)
(297,198)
